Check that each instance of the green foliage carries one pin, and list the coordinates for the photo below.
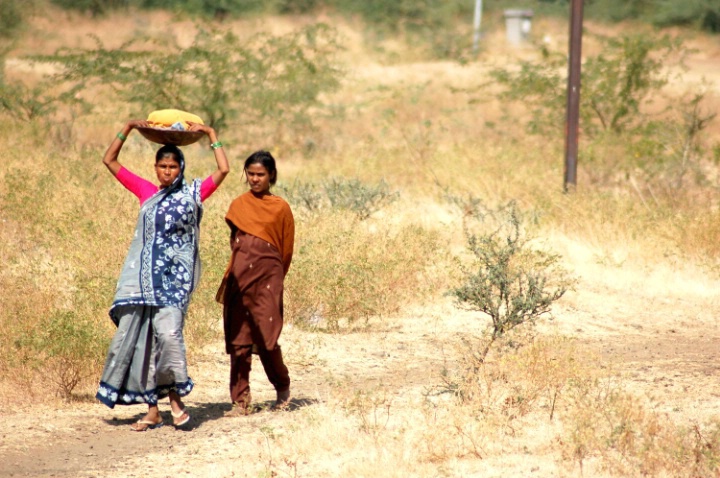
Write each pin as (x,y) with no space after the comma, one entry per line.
(221,78)
(361,199)
(345,273)
(298,6)
(428,22)
(95,7)
(419,16)
(624,132)
(509,281)
(617,10)
(667,152)
(616,84)
(619,81)
(11,18)
(38,102)
(216,8)
(67,348)
(703,14)
(340,194)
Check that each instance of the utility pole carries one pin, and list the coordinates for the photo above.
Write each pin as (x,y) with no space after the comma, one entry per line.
(573,95)
(476,26)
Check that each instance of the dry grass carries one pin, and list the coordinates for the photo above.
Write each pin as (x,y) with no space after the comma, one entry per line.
(378,402)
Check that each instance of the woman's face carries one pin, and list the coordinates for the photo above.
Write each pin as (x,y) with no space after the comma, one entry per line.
(167,170)
(258,178)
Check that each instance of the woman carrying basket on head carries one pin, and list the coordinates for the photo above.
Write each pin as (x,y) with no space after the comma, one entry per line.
(146,360)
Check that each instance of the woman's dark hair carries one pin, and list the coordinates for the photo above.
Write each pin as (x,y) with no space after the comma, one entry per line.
(169,151)
(267,160)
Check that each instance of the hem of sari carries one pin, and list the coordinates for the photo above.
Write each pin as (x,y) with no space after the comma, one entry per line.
(111,396)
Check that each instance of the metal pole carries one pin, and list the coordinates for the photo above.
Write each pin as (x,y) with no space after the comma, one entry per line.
(573,94)
(476,25)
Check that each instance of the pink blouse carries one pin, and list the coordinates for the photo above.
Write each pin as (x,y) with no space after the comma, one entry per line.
(144,189)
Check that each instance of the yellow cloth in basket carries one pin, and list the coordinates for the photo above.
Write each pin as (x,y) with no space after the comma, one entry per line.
(167,118)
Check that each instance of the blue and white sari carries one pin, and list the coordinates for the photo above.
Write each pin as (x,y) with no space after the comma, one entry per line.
(146,360)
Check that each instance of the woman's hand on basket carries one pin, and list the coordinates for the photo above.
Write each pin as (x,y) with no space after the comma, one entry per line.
(199,127)
(138,123)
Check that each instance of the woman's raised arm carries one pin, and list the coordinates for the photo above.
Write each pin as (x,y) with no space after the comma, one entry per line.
(223,167)
(111,155)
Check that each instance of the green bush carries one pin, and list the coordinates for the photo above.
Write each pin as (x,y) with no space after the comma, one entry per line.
(38,102)
(617,10)
(625,134)
(95,7)
(703,14)
(270,81)
(508,281)
(298,6)
(215,8)
(65,350)
(617,84)
(340,194)
(11,18)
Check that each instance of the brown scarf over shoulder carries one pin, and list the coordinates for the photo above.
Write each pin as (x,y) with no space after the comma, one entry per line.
(268,217)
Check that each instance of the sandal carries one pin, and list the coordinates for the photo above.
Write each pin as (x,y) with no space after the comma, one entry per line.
(144,425)
(182,421)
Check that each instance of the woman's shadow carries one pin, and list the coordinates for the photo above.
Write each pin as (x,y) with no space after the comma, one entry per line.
(207,412)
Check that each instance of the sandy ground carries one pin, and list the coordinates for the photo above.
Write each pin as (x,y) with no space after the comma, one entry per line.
(656,325)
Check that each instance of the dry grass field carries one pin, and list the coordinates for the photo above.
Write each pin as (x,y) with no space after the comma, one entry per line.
(621,379)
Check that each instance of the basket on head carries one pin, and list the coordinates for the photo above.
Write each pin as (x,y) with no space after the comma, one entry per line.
(170,136)
(170,126)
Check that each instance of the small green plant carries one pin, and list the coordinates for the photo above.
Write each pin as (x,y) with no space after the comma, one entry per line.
(66,350)
(361,199)
(303,195)
(372,409)
(668,155)
(341,194)
(508,281)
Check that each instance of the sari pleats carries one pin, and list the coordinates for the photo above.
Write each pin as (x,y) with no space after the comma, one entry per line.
(146,359)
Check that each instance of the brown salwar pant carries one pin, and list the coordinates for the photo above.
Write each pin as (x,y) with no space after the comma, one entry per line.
(253,314)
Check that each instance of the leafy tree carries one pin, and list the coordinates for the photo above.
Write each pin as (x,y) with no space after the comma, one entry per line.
(616,84)
(219,77)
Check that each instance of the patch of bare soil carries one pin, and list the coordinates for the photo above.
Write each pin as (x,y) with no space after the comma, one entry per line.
(659,335)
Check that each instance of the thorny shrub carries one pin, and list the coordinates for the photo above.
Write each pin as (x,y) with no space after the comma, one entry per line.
(343,194)
(507,281)
(267,80)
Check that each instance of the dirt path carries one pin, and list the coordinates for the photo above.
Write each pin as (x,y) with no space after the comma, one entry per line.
(668,354)
(86,439)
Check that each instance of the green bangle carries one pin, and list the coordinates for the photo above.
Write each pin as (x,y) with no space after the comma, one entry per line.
(121,136)
(216,145)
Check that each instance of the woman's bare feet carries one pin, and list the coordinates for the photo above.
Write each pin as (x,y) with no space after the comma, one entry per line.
(282,402)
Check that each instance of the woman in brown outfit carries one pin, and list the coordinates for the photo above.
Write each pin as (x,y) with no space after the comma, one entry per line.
(262,233)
